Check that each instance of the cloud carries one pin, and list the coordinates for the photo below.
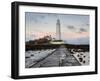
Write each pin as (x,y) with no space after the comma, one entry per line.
(35,20)
(34,17)
(42,16)
(52,15)
(87,24)
(82,30)
(70,27)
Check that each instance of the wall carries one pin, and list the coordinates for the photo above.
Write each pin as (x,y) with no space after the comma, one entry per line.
(5,40)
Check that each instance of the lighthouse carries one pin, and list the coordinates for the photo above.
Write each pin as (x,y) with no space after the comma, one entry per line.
(58,30)
(58,34)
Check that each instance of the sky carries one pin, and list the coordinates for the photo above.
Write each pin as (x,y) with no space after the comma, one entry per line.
(74,28)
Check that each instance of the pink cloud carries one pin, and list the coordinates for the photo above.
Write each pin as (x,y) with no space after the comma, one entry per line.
(73,35)
(65,35)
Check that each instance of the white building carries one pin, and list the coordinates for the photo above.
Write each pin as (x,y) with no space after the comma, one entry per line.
(58,34)
(58,30)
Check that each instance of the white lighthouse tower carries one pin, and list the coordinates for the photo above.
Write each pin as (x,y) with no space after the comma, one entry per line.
(58,34)
(58,30)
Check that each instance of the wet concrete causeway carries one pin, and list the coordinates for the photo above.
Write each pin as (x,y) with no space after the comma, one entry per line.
(61,57)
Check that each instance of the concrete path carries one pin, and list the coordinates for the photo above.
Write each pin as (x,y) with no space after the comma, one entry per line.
(61,57)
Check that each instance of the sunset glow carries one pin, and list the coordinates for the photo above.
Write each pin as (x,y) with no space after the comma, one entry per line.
(73,27)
